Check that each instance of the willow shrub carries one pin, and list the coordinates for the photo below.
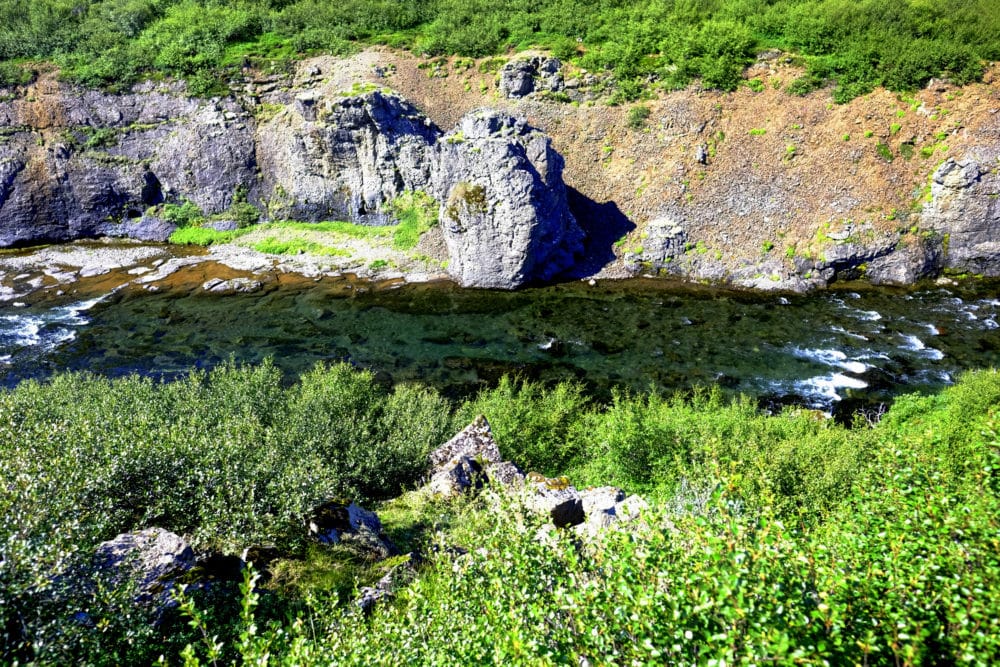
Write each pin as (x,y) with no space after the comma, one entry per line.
(904,570)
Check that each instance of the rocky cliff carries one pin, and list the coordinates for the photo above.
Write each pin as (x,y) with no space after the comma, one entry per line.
(754,188)
(83,164)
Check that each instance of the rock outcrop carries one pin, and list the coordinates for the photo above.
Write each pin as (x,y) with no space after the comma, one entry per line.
(963,210)
(345,157)
(504,213)
(523,76)
(77,164)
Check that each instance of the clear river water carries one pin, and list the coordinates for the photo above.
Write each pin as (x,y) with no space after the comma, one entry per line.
(836,350)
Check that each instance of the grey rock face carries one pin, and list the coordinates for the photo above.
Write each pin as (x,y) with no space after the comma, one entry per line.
(474,441)
(907,264)
(152,558)
(345,158)
(96,163)
(521,77)
(504,213)
(963,207)
(77,164)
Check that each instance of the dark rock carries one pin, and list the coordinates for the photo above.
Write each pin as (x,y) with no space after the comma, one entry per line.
(346,158)
(223,225)
(335,522)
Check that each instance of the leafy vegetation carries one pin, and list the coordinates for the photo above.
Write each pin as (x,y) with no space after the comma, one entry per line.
(785,538)
(296,246)
(899,44)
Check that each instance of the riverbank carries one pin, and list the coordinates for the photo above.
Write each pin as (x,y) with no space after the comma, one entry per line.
(755,188)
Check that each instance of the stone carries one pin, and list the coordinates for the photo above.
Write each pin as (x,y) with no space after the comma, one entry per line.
(397,577)
(631,508)
(232,286)
(601,499)
(908,263)
(474,441)
(456,477)
(562,506)
(331,521)
(151,559)
(504,213)
(503,203)
(505,474)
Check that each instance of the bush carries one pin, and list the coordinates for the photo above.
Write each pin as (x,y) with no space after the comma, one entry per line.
(186,214)
(637,116)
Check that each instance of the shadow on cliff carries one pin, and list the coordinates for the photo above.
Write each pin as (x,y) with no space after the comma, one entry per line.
(603,224)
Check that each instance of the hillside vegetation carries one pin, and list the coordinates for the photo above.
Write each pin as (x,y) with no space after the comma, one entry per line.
(899,44)
(785,539)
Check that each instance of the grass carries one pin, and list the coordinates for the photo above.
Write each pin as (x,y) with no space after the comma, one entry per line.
(415,211)
(274,245)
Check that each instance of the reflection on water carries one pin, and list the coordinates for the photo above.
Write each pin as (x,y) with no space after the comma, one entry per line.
(818,349)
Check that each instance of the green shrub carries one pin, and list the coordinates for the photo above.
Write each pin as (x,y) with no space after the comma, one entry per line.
(12,74)
(186,214)
(532,425)
(637,116)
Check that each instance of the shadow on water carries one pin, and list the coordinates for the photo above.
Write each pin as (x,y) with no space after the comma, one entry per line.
(603,224)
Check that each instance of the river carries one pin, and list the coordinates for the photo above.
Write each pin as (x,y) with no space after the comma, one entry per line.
(835,350)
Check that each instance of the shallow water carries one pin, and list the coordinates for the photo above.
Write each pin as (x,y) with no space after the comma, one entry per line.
(834,348)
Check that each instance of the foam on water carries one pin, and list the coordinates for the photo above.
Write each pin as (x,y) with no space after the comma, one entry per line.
(46,330)
(834,358)
(842,330)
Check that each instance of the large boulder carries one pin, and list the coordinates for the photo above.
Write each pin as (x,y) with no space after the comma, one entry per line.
(504,212)
(468,460)
(963,210)
(149,560)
